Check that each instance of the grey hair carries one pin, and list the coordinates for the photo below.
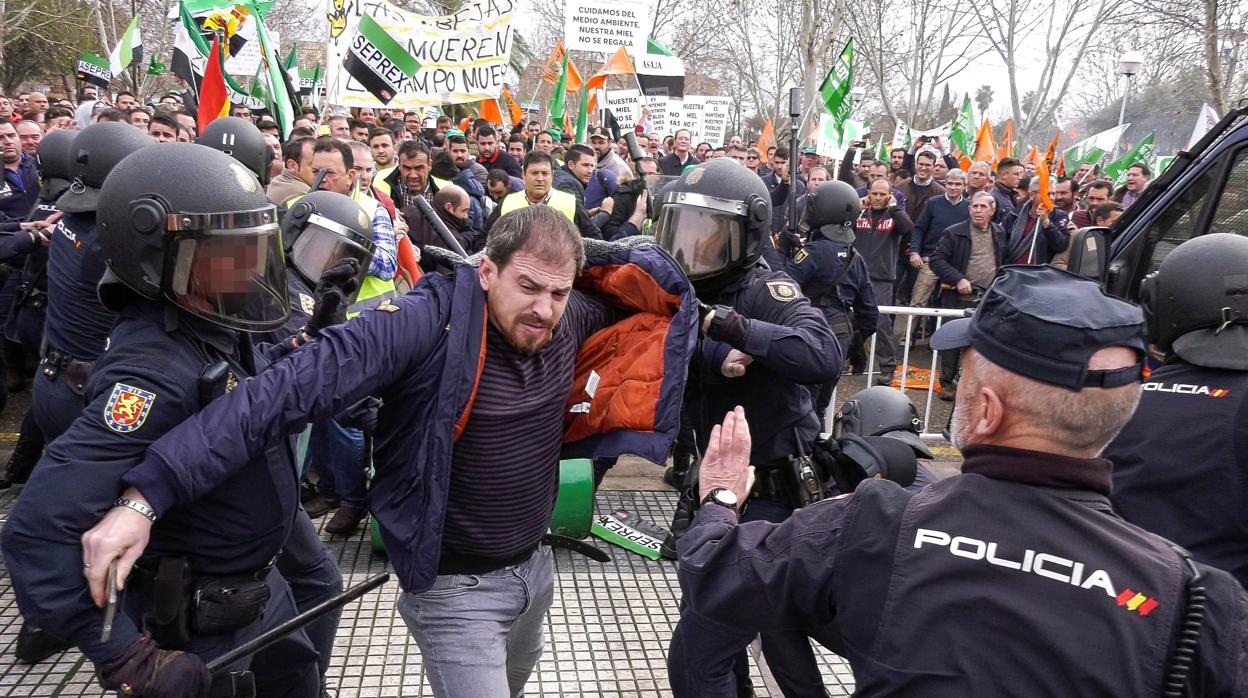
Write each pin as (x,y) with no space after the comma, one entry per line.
(539,230)
(956,174)
(980,194)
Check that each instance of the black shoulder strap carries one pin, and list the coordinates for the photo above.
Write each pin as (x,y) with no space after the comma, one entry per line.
(1174,684)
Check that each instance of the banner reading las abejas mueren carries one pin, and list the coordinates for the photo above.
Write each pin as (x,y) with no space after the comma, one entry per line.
(463,56)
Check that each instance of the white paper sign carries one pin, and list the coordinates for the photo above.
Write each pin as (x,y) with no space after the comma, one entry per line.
(601,27)
(626,106)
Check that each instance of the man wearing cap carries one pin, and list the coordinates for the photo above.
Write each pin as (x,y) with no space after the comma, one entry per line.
(1179,462)
(1015,577)
(608,160)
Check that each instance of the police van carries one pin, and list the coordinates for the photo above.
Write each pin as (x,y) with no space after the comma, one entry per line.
(1205,190)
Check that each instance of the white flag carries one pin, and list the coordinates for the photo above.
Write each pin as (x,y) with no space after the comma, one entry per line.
(1204,121)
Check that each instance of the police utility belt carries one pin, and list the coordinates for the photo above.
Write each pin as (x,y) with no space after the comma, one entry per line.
(74,371)
(30,297)
(181,605)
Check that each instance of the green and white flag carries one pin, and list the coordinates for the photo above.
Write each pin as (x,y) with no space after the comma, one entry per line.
(881,151)
(281,99)
(1142,152)
(378,62)
(1093,148)
(962,133)
(834,91)
(1161,163)
(902,138)
(94,69)
(128,50)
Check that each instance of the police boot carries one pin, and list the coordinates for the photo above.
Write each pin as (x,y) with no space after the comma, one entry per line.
(22,462)
(35,645)
(674,475)
(682,519)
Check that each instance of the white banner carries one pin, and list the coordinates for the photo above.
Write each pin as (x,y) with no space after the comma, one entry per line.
(626,106)
(712,117)
(657,105)
(463,56)
(601,27)
(247,62)
(1207,119)
(826,141)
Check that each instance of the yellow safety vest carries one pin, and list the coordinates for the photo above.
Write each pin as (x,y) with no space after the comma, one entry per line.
(379,179)
(561,201)
(373,290)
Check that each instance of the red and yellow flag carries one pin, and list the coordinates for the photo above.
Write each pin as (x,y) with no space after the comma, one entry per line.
(618,64)
(214,101)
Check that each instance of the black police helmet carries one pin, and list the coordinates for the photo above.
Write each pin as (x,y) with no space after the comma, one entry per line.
(1196,303)
(831,210)
(55,163)
(191,225)
(96,151)
(881,411)
(714,220)
(324,227)
(240,139)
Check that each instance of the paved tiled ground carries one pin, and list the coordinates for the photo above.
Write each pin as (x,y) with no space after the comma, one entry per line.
(607,631)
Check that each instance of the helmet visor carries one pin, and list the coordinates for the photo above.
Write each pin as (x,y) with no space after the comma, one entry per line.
(228,269)
(323,243)
(703,241)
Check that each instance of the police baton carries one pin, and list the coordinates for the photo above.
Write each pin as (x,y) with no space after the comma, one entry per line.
(267,639)
(439,227)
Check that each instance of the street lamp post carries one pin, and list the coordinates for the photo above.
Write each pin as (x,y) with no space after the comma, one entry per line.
(1128,65)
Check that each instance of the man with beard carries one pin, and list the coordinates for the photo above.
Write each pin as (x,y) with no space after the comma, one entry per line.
(450,204)
(491,155)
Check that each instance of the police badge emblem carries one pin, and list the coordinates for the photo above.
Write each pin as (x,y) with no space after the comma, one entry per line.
(127,408)
(783,291)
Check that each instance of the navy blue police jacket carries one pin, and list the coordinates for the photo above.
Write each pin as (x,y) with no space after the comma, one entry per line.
(18,193)
(1015,578)
(77,323)
(1181,463)
(146,383)
(820,269)
(422,354)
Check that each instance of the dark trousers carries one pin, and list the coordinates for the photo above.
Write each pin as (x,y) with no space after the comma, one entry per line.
(885,349)
(313,577)
(54,405)
(949,359)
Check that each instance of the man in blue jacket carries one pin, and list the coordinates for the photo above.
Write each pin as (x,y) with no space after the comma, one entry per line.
(481,385)
(939,214)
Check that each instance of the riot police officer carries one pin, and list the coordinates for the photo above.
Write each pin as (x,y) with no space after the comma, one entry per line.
(1014,578)
(763,341)
(883,411)
(193,254)
(77,325)
(240,139)
(832,275)
(25,321)
(1179,463)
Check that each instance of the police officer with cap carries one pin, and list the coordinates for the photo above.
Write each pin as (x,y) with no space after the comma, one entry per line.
(763,342)
(194,258)
(1015,578)
(25,321)
(1179,463)
(832,275)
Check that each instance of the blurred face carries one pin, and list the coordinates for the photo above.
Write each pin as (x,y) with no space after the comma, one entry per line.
(1096,196)
(1082,173)
(487,146)
(90,93)
(367,114)
(982,208)
(241,112)
(878,171)
(940,170)
(877,196)
(1064,195)
(459,153)
(682,142)
(414,171)
(1029,167)
(702,150)
(516,150)
(6,107)
(162,133)
(364,169)
(231,268)
(954,186)
(526,297)
(977,179)
(187,121)
(337,177)
(383,150)
(38,102)
(544,142)
(29,135)
(10,146)
(582,168)
(1136,180)
(1010,176)
(816,177)
(537,178)
(126,102)
(924,167)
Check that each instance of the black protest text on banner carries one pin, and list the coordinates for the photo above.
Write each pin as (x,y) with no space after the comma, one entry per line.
(626,106)
(463,56)
(92,73)
(599,27)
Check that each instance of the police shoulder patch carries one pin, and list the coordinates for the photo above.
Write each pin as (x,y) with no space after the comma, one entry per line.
(387,306)
(783,291)
(800,256)
(127,408)
(307,303)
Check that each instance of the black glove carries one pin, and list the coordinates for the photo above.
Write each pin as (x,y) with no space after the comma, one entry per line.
(727,326)
(337,284)
(856,353)
(151,672)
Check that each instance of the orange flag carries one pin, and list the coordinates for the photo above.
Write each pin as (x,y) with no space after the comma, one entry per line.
(985,149)
(1006,149)
(513,108)
(214,101)
(490,112)
(618,64)
(766,139)
(1042,173)
(1033,156)
(1051,152)
(550,73)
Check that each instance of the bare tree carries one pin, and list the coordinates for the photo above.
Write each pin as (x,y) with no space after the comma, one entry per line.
(41,36)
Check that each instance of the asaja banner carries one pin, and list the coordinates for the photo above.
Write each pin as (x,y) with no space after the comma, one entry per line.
(463,56)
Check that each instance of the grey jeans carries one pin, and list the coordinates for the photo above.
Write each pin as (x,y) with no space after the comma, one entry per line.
(885,347)
(480,635)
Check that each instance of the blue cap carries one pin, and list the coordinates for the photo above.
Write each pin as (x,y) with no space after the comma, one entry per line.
(1046,323)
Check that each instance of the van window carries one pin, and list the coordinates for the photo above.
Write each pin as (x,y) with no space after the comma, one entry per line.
(1181,219)
(1231,216)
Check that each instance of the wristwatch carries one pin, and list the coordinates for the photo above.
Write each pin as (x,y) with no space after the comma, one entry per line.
(721,496)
